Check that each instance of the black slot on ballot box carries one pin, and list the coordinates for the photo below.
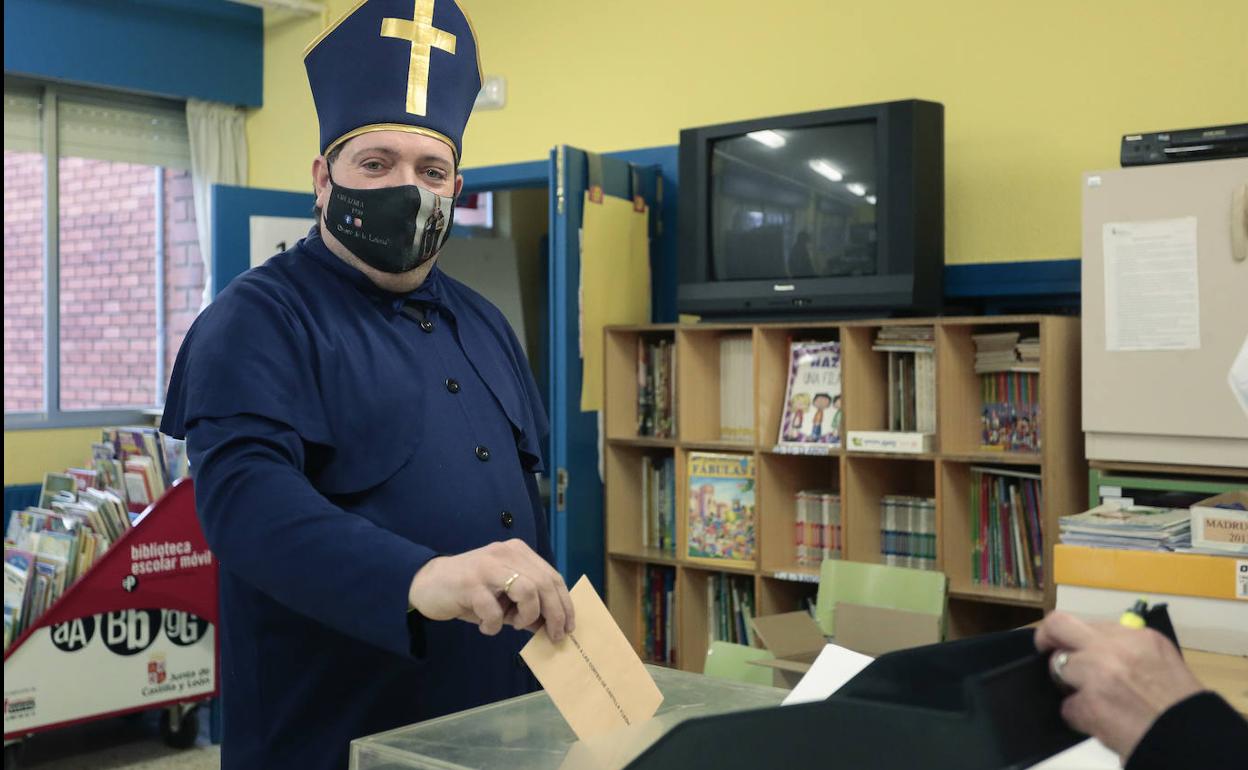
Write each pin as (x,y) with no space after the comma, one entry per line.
(985,703)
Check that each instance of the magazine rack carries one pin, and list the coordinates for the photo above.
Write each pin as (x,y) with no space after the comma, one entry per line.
(138,631)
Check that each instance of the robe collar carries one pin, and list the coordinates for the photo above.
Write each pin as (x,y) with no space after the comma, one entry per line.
(429,293)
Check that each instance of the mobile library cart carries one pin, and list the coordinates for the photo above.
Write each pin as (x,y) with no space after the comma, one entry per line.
(137,632)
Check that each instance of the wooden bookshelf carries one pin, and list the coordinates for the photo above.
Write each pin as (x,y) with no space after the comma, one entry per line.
(780,584)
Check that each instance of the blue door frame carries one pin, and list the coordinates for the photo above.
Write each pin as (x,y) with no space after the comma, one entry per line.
(577,540)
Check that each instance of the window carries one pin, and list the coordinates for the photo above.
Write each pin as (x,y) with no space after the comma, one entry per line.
(102,269)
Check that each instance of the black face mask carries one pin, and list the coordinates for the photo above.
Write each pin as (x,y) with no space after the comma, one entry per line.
(392,229)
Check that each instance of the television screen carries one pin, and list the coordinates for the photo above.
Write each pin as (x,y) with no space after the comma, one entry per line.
(794,203)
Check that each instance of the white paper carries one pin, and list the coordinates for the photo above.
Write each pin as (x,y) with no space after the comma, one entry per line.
(1089,755)
(1238,377)
(833,668)
(1152,293)
(273,235)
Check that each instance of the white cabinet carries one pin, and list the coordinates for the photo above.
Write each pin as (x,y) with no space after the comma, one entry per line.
(1163,396)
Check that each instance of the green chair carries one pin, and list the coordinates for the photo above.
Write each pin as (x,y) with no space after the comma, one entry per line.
(878,585)
(725,660)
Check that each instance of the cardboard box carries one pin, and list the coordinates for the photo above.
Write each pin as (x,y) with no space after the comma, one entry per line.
(796,640)
(877,630)
(1221,529)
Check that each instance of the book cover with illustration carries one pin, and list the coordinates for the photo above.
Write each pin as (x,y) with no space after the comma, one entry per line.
(811,422)
(720,525)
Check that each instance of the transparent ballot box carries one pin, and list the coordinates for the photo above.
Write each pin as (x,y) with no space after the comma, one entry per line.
(528,733)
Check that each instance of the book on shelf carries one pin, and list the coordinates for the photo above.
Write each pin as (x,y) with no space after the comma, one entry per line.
(1134,527)
(656,388)
(911,376)
(893,442)
(1007,546)
(908,531)
(1006,352)
(736,387)
(913,338)
(818,530)
(811,419)
(1009,370)
(720,515)
(658,610)
(658,503)
(1010,412)
(730,608)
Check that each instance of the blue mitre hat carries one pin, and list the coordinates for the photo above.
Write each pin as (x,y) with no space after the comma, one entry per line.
(395,65)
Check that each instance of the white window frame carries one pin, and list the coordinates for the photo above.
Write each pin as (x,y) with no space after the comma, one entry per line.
(52,416)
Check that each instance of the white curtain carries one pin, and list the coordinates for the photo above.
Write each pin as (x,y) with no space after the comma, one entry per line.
(218,156)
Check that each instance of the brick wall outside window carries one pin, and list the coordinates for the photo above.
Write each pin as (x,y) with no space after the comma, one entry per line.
(108,245)
(23,281)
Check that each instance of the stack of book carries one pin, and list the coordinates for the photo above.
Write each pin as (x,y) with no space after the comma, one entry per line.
(658,614)
(656,388)
(658,503)
(1007,546)
(1009,370)
(1006,352)
(913,339)
(731,608)
(736,388)
(80,514)
(1134,527)
(817,534)
(908,531)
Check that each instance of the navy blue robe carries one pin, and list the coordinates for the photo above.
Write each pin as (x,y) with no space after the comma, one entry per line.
(340,437)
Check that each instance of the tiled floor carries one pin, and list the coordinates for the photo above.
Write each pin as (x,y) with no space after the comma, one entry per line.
(113,744)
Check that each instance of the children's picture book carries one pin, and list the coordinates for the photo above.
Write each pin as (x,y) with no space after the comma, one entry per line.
(811,421)
(57,486)
(721,507)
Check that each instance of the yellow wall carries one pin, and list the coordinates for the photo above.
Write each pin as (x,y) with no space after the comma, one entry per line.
(28,454)
(1035,92)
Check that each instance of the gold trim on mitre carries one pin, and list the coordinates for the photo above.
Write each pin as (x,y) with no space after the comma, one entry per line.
(326,32)
(394,127)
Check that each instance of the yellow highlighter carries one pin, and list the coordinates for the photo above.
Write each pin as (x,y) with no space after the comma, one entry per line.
(1134,617)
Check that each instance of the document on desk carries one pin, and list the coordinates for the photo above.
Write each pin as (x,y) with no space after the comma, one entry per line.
(593,675)
(831,670)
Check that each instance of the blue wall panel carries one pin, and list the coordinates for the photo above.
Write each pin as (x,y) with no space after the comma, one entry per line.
(181,49)
(232,209)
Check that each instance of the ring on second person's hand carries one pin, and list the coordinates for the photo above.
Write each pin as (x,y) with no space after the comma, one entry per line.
(1056,664)
(508,583)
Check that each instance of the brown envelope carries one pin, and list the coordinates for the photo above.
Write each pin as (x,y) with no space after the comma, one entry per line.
(593,675)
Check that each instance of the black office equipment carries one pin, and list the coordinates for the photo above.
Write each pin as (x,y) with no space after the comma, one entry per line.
(984,703)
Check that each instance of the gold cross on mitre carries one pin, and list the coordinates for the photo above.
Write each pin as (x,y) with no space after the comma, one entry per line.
(420,32)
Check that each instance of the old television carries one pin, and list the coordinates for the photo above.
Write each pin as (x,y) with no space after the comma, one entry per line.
(835,213)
